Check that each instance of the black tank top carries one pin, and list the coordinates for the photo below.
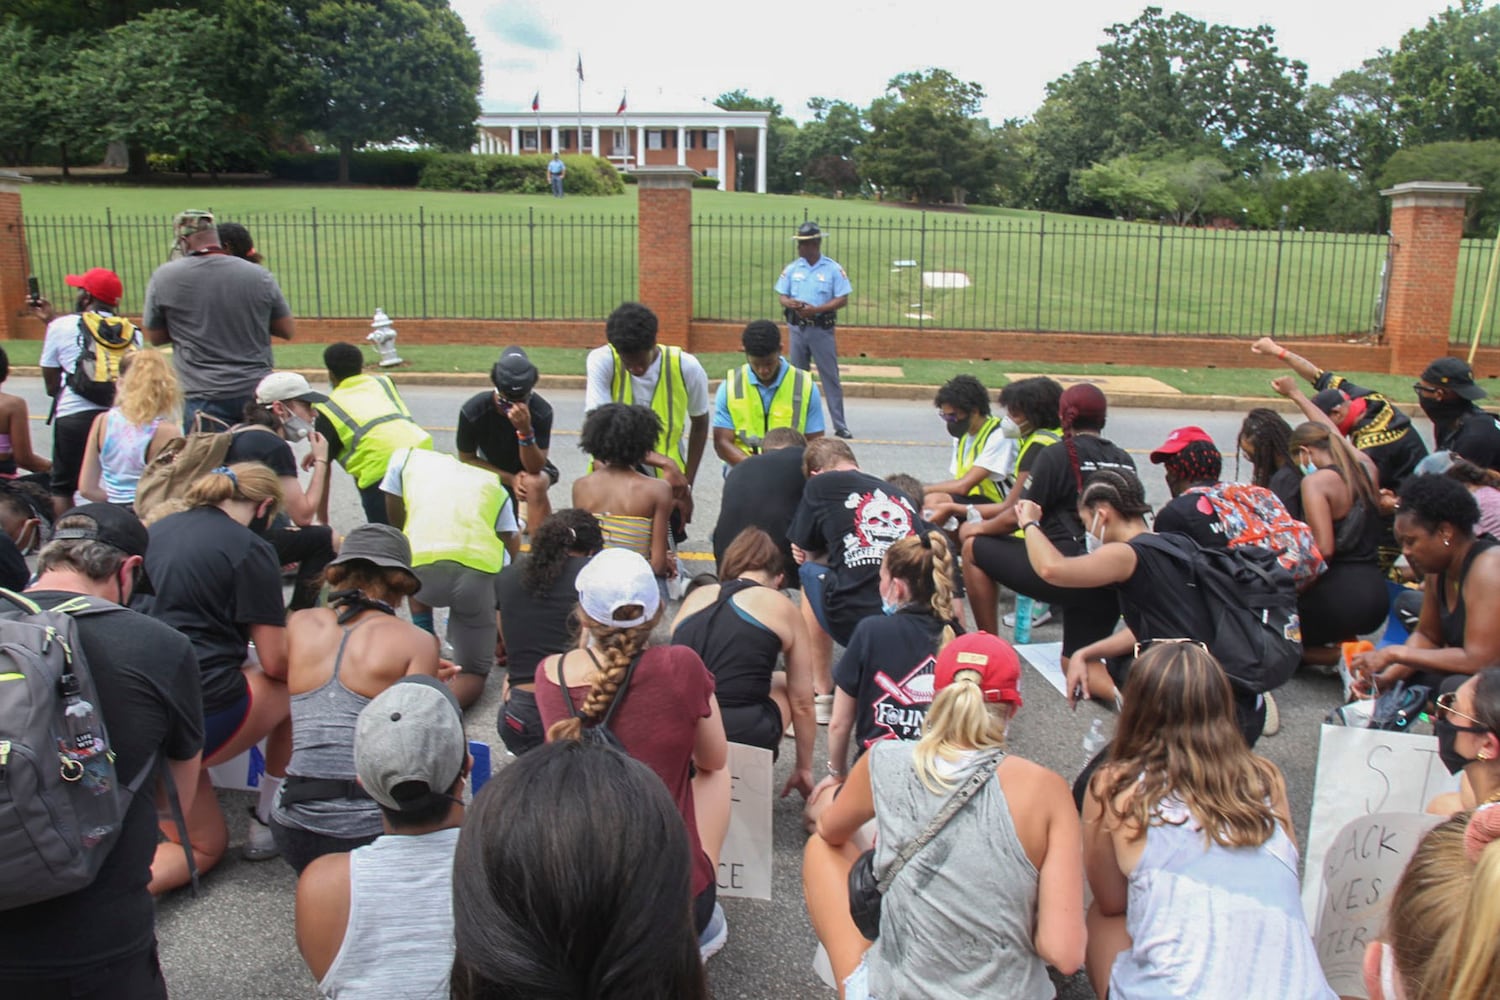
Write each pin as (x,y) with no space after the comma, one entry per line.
(1453,621)
(740,653)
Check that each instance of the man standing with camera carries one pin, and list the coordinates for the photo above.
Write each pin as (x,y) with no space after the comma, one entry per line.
(813,288)
(508,431)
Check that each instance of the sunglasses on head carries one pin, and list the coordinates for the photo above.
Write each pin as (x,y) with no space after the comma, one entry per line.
(1445,703)
(1141,647)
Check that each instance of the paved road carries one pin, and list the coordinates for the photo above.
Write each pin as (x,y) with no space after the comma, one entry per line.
(236,939)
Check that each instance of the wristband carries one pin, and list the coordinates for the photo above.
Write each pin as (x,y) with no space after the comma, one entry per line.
(834,772)
(526,441)
(1281,354)
(1029,524)
(320,461)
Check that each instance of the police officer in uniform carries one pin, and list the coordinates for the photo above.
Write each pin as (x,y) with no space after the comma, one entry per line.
(764,392)
(813,288)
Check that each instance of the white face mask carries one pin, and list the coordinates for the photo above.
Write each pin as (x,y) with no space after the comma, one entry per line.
(1389,987)
(294,427)
(1091,541)
(1009,428)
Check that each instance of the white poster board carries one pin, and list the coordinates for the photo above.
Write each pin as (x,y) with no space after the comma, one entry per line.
(242,772)
(1362,772)
(1360,871)
(745,861)
(1046,659)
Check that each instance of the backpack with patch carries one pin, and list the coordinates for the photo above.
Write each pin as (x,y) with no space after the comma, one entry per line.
(61,803)
(1253,515)
(181,460)
(1250,608)
(103,342)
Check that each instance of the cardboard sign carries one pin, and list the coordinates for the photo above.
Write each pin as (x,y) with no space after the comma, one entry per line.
(745,861)
(1046,659)
(241,773)
(1360,871)
(1362,772)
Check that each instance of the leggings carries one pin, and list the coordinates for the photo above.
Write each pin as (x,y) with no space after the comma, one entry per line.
(1088,615)
(1349,600)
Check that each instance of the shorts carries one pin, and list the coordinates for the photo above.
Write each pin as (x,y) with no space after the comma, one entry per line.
(1088,615)
(469,596)
(301,848)
(220,727)
(703,906)
(70,439)
(754,725)
(520,722)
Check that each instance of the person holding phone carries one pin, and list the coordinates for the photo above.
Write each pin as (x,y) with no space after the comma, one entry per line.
(508,430)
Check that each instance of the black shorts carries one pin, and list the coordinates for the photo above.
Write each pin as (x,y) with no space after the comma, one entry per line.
(1088,615)
(520,722)
(755,725)
(70,439)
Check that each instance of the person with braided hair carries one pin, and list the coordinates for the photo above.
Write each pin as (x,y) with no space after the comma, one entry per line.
(338,659)
(1265,441)
(1144,571)
(656,703)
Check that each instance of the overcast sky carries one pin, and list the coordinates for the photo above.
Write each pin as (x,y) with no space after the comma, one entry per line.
(675,55)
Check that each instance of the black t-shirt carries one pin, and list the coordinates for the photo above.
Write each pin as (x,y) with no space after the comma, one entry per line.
(1159,600)
(149,698)
(1053,485)
(762,491)
(213,578)
(1286,483)
(14,573)
(888,670)
(488,433)
(1475,436)
(853,517)
(253,444)
(536,627)
(1191,514)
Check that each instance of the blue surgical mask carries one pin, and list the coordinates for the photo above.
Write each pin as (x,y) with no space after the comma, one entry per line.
(1307,468)
(1091,541)
(888,607)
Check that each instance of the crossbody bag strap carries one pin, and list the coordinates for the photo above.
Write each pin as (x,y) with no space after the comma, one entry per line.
(981,777)
(621,691)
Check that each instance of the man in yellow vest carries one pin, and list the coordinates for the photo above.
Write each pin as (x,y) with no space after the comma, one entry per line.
(632,369)
(365,421)
(764,392)
(461,523)
(983,456)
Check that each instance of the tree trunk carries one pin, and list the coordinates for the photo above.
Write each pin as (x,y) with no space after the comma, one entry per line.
(346,153)
(136,160)
(62,151)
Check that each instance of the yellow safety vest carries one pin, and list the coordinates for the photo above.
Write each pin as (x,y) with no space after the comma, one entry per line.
(451,510)
(969,448)
(372,423)
(669,401)
(1036,439)
(789,404)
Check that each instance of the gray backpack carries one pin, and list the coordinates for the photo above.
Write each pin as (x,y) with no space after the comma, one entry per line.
(61,804)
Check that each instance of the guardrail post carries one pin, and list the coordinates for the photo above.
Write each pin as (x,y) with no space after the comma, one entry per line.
(666,249)
(15,322)
(1427,223)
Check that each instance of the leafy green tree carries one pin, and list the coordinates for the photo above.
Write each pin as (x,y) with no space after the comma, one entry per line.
(22,103)
(1353,119)
(824,148)
(1475,163)
(781,138)
(1446,76)
(926,140)
(1129,188)
(65,17)
(362,73)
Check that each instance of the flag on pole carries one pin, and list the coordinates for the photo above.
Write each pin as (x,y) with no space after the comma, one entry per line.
(580,67)
(621,109)
(536,101)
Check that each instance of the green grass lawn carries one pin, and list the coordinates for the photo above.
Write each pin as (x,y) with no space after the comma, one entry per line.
(420,253)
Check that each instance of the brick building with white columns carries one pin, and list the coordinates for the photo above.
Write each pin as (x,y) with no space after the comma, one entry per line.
(711,141)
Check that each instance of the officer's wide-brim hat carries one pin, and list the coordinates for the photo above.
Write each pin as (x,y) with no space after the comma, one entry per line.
(808,231)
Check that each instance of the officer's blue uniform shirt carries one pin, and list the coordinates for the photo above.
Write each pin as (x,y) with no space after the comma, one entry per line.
(815,424)
(814,284)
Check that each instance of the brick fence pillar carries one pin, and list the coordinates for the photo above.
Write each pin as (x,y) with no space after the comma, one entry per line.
(666,248)
(1427,222)
(15,322)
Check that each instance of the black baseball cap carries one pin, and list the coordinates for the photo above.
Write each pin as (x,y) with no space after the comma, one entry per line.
(1329,399)
(514,374)
(1455,375)
(113,526)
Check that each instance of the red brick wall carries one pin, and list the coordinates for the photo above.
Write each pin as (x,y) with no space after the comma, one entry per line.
(15,322)
(1424,268)
(666,258)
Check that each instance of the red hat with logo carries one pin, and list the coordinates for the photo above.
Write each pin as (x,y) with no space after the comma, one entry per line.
(1178,440)
(990,657)
(101,283)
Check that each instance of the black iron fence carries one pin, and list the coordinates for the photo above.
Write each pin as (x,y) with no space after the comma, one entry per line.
(1047,273)
(1474,261)
(422,265)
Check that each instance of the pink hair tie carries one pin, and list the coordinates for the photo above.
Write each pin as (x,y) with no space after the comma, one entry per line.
(1484,826)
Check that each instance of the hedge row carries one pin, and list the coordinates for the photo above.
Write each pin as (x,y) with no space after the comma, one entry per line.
(380,167)
(518,174)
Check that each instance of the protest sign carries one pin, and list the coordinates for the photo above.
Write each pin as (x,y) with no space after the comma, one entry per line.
(745,860)
(241,773)
(1362,772)
(1360,871)
(1046,659)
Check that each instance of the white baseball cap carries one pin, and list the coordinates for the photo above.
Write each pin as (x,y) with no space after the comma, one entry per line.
(615,579)
(278,387)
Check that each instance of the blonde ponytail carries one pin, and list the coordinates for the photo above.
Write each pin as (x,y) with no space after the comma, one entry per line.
(958,719)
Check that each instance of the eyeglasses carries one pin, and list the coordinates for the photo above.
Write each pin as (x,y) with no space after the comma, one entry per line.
(951,418)
(1423,389)
(1445,708)
(1146,644)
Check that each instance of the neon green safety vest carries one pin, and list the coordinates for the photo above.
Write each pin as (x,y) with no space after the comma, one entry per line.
(373,423)
(669,401)
(969,448)
(451,510)
(1036,439)
(789,405)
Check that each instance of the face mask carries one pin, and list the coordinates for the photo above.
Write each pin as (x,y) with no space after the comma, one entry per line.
(1091,541)
(260,522)
(1009,428)
(1388,988)
(1353,414)
(958,428)
(1447,736)
(1307,468)
(294,427)
(1443,411)
(888,608)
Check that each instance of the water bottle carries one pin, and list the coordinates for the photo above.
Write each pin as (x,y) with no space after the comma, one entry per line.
(85,760)
(1095,741)
(1022,631)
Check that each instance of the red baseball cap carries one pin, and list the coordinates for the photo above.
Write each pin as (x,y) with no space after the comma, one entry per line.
(101,283)
(991,657)
(1178,440)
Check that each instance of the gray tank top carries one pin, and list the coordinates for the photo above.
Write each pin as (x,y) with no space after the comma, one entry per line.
(399,940)
(957,921)
(323,721)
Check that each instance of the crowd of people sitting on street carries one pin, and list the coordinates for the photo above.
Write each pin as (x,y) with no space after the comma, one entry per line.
(186,491)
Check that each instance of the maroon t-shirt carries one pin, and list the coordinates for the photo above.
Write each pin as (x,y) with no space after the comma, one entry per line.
(657,723)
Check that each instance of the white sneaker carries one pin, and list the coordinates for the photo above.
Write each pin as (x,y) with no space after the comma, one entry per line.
(1273,717)
(1041,614)
(823,706)
(259,844)
(711,941)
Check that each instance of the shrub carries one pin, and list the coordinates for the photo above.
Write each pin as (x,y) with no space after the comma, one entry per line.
(710,183)
(380,167)
(517,174)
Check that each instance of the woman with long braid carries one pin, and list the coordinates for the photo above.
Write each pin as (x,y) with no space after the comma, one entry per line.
(656,703)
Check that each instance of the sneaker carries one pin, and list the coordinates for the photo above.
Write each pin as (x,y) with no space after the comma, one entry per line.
(259,844)
(711,941)
(1041,614)
(823,706)
(844,433)
(1273,717)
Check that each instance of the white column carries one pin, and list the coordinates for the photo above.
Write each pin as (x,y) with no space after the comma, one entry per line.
(640,146)
(760,160)
(555,146)
(681,146)
(515,140)
(595,136)
(723,184)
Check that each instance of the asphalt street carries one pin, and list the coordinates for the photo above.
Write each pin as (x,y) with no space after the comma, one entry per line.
(236,938)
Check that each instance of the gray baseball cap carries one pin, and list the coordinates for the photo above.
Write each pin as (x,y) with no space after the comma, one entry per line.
(409,742)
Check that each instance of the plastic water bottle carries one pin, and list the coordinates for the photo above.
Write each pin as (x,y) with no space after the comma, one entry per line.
(1022,631)
(1095,741)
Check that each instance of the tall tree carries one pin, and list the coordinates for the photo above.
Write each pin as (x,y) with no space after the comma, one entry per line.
(926,140)
(781,135)
(1354,124)
(825,147)
(1446,76)
(363,72)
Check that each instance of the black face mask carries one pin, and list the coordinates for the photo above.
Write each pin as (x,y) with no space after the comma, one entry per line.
(1447,735)
(958,428)
(1443,410)
(260,523)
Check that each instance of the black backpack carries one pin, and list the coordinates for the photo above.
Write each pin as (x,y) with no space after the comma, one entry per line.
(1251,624)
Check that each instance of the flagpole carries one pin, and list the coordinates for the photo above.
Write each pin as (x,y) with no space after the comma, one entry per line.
(580,105)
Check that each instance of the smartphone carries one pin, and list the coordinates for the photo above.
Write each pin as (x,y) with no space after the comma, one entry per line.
(33,290)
